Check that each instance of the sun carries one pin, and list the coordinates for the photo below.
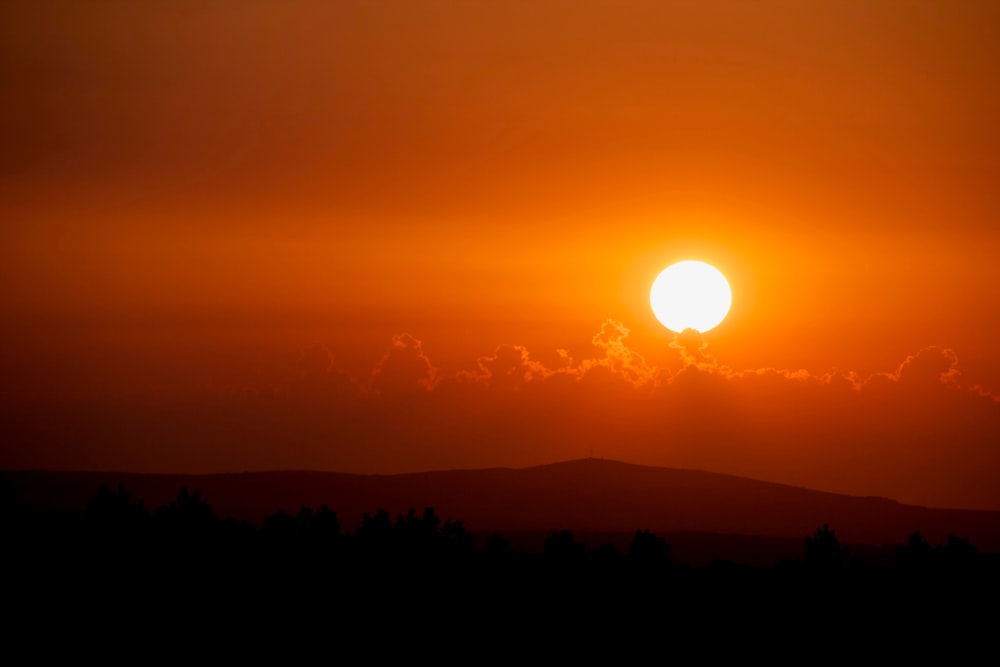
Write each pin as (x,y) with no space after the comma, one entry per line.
(690,295)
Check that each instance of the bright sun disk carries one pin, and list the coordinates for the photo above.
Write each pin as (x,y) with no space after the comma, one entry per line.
(690,295)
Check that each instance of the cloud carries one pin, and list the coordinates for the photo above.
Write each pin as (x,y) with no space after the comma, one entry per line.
(914,432)
(315,361)
(509,368)
(979,389)
(318,377)
(692,348)
(618,359)
(403,369)
(930,365)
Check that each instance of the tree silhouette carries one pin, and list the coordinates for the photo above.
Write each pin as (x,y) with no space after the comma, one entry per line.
(374,535)
(562,547)
(607,556)
(323,528)
(823,549)
(118,528)
(648,548)
(189,508)
(497,547)
(186,522)
(957,554)
(115,512)
(317,531)
(457,540)
(279,528)
(417,534)
(916,555)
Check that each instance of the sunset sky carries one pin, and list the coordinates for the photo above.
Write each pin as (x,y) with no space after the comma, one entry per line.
(410,234)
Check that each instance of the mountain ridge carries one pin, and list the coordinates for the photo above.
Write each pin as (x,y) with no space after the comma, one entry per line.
(587,495)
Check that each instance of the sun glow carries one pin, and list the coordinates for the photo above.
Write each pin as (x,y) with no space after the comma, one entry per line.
(690,295)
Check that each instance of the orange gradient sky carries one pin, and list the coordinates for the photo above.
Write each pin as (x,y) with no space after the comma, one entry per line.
(396,236)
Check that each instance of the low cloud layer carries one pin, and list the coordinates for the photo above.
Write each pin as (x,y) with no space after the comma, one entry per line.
(915,433)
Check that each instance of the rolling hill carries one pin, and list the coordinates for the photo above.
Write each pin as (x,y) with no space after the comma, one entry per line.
(588,496)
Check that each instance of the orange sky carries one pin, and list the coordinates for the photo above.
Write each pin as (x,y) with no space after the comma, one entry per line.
(203,203)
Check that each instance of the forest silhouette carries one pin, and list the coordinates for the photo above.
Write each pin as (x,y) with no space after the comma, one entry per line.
(419,568)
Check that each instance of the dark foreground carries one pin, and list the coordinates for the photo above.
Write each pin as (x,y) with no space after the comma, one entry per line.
(182,574)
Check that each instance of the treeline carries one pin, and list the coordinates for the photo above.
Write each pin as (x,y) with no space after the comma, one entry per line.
(116,522)
(393,567)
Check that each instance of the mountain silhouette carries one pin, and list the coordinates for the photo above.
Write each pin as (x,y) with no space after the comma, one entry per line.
(585,496)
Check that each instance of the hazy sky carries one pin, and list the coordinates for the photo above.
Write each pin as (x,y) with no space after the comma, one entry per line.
(243,235)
